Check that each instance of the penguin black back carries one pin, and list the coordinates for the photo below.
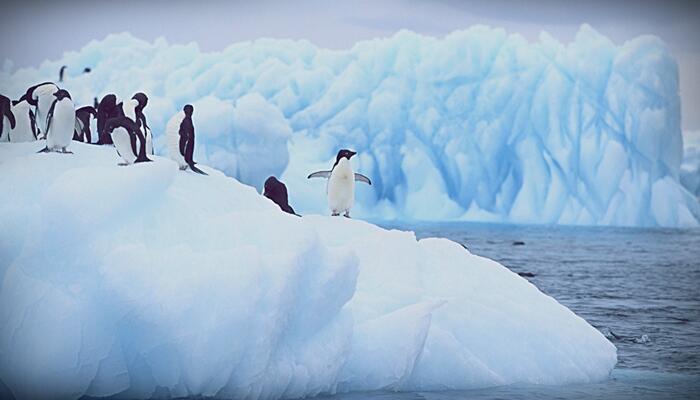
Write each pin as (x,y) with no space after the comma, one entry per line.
(277,192)
(187,139)
(30,93)
(6,111)
(106,110)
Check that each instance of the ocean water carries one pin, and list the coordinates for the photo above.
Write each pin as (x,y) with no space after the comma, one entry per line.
(640,287)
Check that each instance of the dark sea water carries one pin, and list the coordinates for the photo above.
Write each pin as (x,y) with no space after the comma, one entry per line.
(640,287)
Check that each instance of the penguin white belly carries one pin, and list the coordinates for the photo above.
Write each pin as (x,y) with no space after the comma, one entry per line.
(149,141)
(122,142)
(341,188)
(23,126)
(172,133)
(60,132)
(5,134)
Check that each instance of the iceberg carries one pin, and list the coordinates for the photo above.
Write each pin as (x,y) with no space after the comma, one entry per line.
(146,281)
(478,125)
(690,169)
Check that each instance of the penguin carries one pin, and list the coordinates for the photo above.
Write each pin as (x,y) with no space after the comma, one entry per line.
(277,192)
(106,110)
(60,123)
(82,132)
(180,135)
(134,109)
(341,183)
(60,73)
(7,119)
(87,70)
(41,96)
(128,140)
(25,130)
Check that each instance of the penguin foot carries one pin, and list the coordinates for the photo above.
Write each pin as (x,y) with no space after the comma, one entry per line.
(183,167)
(64,151)
(123,164)
(44,150)
(334,214)
(347,214)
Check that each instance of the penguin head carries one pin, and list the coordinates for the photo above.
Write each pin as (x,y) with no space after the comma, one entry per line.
(188,109)
(21,99)
(270,185)
(142,99)
(62,94)
(344,153)
(108,102)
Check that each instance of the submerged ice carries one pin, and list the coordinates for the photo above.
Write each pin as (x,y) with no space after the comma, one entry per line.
(479,125)
(146,281)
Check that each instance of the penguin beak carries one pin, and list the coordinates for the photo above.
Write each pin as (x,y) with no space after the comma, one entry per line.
(352,153)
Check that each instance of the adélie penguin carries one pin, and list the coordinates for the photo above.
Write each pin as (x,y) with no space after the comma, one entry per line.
(82,131)
(180,136)
(25,128)
(60,123)
(128,140)
(41,96)
(134,109)
(277,192)
(7,119)
(341,183)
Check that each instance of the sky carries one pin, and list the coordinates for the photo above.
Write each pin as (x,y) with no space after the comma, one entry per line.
(39,30)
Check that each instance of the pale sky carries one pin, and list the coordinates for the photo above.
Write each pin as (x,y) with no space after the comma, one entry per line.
(33,31)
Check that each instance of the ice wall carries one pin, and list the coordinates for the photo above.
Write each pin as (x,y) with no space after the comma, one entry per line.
(478,125)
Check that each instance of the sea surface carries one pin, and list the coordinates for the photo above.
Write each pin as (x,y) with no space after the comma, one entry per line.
(639,286)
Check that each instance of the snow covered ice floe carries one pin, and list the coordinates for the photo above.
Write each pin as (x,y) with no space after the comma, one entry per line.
(146,280)
(478,125)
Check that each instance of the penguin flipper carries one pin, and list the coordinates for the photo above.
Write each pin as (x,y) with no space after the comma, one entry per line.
(10,116)
(362,178)
(49,116)
(320,174)
(32,120)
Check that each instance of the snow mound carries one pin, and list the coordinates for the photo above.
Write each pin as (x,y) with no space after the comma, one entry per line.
(478,125)
(148,281)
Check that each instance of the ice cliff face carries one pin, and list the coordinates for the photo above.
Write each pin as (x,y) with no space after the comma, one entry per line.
(146,281)
(479,125)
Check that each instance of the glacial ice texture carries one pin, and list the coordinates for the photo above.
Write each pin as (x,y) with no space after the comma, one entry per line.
(478,125)
(146,281)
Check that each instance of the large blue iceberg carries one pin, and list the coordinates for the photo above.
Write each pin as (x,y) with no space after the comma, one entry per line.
(478,125)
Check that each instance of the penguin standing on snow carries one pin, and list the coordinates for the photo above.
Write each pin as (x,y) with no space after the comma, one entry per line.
(7,119)
(128,140)
(41,96)
(60,123)
(341,183)
(25,129)
(277,192)
(134,109)
(180,134)
(82,132)
(106,110)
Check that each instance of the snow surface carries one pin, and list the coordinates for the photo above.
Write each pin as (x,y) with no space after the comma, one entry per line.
(478,125)
(149,281)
